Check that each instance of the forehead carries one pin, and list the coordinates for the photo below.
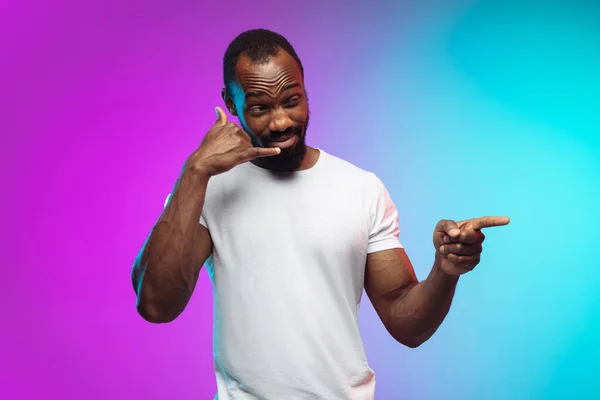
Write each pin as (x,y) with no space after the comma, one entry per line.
(277,69)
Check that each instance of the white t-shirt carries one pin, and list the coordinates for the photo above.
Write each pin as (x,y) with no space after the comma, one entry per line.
(288,269)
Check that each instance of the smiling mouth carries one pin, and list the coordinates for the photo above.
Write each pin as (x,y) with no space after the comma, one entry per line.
(281,139)
(284,142)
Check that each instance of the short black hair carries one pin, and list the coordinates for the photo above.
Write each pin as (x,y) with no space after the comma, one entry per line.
(259,45)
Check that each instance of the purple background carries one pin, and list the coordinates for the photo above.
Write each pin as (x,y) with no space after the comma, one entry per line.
(462,108)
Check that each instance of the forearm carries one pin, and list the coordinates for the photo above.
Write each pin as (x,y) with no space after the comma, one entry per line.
(416,315)
(165,271)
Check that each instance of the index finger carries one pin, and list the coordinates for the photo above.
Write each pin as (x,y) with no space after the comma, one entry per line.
(486,222)
(256,152)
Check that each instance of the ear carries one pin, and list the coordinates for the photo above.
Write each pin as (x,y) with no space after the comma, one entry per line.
(228,102)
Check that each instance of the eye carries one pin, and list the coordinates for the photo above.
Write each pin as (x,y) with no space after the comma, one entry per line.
(256,109)
(292,101)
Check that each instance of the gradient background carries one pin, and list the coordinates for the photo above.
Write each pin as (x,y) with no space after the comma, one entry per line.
(462,108)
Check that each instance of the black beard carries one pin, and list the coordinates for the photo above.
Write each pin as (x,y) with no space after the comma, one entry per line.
(289,159)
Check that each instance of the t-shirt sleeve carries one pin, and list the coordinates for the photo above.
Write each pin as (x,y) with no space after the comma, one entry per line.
(385,228)
(202,220)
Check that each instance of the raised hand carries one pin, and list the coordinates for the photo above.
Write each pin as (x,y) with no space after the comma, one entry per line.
(459,244)
(225,146)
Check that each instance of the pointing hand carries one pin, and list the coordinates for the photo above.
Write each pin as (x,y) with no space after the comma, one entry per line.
(459,244)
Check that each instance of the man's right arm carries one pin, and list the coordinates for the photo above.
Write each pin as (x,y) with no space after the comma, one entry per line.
(166,270)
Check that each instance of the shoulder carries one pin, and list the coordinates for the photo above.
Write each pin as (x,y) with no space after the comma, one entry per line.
(374,192)
(353,174)
(339,165)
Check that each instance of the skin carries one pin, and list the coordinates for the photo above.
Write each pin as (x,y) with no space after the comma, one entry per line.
(166,270)
(410,310)
(270,101)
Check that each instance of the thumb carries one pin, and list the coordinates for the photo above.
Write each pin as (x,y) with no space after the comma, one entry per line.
(221,117)
(449,227)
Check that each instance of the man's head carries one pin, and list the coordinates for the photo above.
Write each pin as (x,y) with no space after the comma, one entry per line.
(264,88)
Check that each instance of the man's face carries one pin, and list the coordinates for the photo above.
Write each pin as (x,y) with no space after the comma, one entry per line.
(271,103)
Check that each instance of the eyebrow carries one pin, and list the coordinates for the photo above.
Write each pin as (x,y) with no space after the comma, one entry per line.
(286,87)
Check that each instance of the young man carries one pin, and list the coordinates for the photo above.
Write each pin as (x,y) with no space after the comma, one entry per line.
(291,236)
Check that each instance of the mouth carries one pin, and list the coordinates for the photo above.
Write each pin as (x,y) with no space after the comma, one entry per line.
(283,142)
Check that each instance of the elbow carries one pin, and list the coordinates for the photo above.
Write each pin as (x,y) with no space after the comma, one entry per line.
(153,314)
(411,340)
(409,336)
(158,304)
(413,343)
(146,305)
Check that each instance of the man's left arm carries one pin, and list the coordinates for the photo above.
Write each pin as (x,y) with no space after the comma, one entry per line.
(410,310)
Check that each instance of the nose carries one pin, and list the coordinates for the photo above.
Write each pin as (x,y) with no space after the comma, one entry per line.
(280,121)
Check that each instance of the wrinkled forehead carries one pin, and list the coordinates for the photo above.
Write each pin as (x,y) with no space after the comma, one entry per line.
(272,76)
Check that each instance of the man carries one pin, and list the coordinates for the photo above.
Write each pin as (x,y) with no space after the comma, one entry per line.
(291,236)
